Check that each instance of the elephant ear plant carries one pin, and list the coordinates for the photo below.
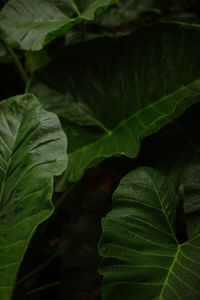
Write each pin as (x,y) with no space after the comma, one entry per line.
(106,94)
(32,151)
(31,25)
(124,108)
(142,256)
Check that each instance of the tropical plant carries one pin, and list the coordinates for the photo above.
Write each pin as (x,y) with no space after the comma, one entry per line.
(33,150)
(122,78)
(142,256)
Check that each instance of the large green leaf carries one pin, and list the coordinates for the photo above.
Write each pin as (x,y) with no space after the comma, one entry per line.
(32,151)
(111,93)
(31,25)
(142,258)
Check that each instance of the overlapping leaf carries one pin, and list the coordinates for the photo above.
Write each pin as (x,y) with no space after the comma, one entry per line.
(186,173)
(31,25)
(142,258)
(129,10)
(32,151)
(36,60)
(111,93)
(184,170)
(190,191)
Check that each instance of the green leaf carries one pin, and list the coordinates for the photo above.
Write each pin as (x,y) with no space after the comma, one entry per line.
(31,25)
(110,97)
(37,60)
(32,151)
(128,10)
(190,190)
(142,258)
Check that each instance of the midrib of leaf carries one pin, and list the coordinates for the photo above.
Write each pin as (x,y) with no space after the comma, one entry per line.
(173,263)
(76,8)
(164,212)
(99,123)
(169,272)
(177,252)
(174,236)
(111,132)
(190,240)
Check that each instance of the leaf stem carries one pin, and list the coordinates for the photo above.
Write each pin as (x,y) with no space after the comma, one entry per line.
(170,272)
(44,287)
(17,63)
(38,268)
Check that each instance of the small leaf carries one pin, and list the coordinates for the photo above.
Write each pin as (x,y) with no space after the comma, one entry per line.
(128,10)
(37,60)
(31,25)
(142,258)
(110,93)
(32,152)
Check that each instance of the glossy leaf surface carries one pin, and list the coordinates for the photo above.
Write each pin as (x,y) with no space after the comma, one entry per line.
(31,25)
(142,258)
(32,152)
(111,93)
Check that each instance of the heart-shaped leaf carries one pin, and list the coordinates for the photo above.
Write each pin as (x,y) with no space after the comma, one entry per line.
(31,25)
(111,93)
(32,151)
(142,258)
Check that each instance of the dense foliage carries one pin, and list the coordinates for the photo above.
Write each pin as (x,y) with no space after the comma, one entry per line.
(120,79)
